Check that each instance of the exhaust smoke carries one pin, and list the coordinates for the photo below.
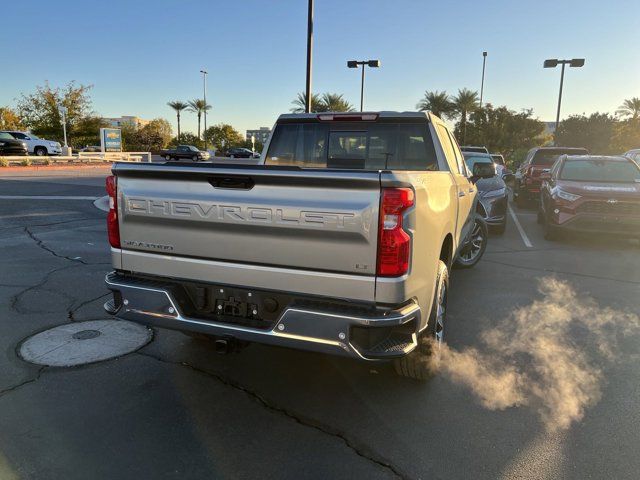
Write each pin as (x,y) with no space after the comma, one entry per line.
(547,356)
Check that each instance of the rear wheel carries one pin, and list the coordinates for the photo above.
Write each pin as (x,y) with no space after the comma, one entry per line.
(419,364)
(472,251)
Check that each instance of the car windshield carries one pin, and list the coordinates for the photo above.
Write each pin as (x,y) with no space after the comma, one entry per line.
(600,170)
(549,157)
(34,137)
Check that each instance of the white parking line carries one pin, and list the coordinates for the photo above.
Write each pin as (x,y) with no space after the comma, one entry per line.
(45,197)
(525,239)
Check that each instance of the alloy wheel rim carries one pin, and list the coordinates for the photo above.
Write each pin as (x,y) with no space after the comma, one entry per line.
(473,247)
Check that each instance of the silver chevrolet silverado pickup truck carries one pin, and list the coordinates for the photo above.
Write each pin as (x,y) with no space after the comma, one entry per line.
(339,241)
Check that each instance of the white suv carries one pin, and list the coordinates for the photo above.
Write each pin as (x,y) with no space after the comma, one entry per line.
(37,146)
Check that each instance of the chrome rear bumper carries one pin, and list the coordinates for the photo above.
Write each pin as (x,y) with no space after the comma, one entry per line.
(333,332)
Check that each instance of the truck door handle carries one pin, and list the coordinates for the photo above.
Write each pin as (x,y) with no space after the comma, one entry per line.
(231,181)
(471,190)
(461,193)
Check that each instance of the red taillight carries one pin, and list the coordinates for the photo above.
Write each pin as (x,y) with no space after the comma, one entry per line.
(112,217)
(394,244)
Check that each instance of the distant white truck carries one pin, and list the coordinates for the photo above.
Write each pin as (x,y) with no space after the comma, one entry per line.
(37,146)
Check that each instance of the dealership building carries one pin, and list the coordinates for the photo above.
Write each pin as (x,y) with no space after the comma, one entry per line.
(261,134)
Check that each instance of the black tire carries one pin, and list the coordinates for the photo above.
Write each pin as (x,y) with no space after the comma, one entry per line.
(167,158)
(419,364)
(194,158)
(474,247)
(40,151)
(232,156)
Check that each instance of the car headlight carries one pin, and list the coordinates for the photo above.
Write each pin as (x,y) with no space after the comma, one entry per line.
(569,197)
(24,144)
(495,193)
(1,144)
(53,144)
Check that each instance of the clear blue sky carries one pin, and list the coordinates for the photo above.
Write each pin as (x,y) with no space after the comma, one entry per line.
(140,54)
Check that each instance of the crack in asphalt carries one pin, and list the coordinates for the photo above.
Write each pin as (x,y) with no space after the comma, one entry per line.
(40,243)
(13,388)
(13,305)
(562,272)
(359,450)
(73,309)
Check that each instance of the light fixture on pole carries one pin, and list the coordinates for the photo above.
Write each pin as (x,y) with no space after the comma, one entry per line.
(204,82)
(484,62)
(355,64)
(553,63)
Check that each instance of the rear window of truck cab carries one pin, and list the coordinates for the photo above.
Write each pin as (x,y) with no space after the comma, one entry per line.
(549,156)
(353,145)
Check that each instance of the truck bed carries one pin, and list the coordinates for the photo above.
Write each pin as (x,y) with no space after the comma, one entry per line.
(257,226)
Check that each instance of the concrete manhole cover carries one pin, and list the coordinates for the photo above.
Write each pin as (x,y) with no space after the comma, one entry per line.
(84,342)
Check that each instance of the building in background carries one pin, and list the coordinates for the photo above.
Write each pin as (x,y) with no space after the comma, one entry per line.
(261,135)
(127,119)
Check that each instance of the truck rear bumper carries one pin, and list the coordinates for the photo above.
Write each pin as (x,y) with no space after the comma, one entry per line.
(379,335)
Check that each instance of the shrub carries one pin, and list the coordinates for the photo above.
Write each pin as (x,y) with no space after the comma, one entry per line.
(46,161)
(4,162)
(26,162)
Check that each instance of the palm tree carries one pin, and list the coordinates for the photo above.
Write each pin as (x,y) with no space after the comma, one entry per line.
(465,102)
(630,108)
(317,105)
(437,103)
(198,106)
(178,106)
(333,102)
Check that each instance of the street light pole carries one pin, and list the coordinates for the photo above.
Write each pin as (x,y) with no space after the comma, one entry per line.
(362,90)
(63,114)
(484,61)
(560,97)
(553,63)
(204,82)
(309,55)
(363,63)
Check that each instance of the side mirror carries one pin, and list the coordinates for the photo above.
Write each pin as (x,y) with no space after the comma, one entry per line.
(484,170)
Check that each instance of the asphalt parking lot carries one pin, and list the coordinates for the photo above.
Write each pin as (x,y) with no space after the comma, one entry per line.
(174,409)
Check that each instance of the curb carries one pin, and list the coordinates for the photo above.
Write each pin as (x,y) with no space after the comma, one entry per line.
(37,168)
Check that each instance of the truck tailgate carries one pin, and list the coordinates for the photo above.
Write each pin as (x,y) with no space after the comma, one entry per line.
(254,215)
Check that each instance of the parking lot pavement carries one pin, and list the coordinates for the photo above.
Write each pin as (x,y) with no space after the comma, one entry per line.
(173,409)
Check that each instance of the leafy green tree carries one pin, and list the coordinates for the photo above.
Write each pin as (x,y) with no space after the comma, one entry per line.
(223,136)
(10,120)
(187,138)
(198,106)
(178,107)
(317,105)
(594,132)
(504,131)
(40,110)
(465,102)
(437,103)
(630,108)
(87,131)
(151,137)
(334,102)
(626,135)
